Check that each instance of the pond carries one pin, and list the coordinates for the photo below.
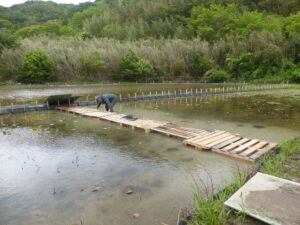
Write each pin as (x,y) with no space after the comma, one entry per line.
(59,168)
(31,95)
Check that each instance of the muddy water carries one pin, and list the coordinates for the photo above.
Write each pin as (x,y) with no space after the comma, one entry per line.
(31,95)
(51,163)
(57,168)
(271,115)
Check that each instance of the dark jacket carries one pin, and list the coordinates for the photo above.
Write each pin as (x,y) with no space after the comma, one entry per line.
(108,99)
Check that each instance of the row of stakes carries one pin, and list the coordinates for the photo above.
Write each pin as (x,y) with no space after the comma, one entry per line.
(188,92)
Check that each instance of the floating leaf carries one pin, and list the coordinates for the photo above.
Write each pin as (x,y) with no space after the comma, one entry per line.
(7,133)
(129,192)
(35,128)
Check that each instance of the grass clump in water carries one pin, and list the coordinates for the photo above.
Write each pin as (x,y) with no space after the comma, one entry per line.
(211,210)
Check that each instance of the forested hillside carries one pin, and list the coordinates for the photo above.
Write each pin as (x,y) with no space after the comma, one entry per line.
(151,40)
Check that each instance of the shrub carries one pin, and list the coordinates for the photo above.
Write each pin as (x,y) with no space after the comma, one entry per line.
(295,75)
(179,67)
(133,68)
(5,73)
(199,64)
(242,66)
(217,76)
(91,66)
(85,35)
(36,67)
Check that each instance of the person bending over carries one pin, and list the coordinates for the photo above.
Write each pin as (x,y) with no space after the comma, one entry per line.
(108,99)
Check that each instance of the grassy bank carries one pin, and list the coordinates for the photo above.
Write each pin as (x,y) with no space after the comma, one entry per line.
(211,210)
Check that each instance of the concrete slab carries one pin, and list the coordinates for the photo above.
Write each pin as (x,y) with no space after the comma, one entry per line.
(270,199)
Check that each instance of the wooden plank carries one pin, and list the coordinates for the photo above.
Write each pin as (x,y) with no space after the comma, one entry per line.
(205,137)
(220,137)
(225,143)
(263,151)
(169,134)
(245,146)
(233,156)
(182,130)
(220,141)
(235,144)
(253,149)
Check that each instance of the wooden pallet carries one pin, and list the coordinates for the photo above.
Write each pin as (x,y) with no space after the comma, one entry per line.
(220,142)
(88,112)
(172,130)
(231,145)
(141,123)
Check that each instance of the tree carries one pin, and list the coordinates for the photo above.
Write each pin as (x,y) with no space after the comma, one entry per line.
(214,22)
(36,67)
(134,69)
(7,40)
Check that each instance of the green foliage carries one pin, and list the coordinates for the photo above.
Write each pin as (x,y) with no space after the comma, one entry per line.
(199,64)
(292,25)
(7,40)
(217,76)
(85,36)
(274,165)
(91,67)
(214,22)
(49,29)
(211,210)
(133,68)
(5,24)
(295,75)
(179,68)
(36,67)
(5,73)
(242,66)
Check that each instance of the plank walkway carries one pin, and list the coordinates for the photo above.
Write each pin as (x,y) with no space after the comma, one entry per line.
(220,142)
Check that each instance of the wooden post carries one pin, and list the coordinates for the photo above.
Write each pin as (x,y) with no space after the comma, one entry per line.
(135,96)
(58,102)
(201,91)
(120,97)
(143,95)
(48,105)
(12,107)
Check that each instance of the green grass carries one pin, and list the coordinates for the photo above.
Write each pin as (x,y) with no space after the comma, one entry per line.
(211,210)
(275,165)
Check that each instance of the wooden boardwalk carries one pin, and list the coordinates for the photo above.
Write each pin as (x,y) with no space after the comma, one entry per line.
(220,142)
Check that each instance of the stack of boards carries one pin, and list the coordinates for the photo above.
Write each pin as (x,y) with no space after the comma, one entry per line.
(220,142)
